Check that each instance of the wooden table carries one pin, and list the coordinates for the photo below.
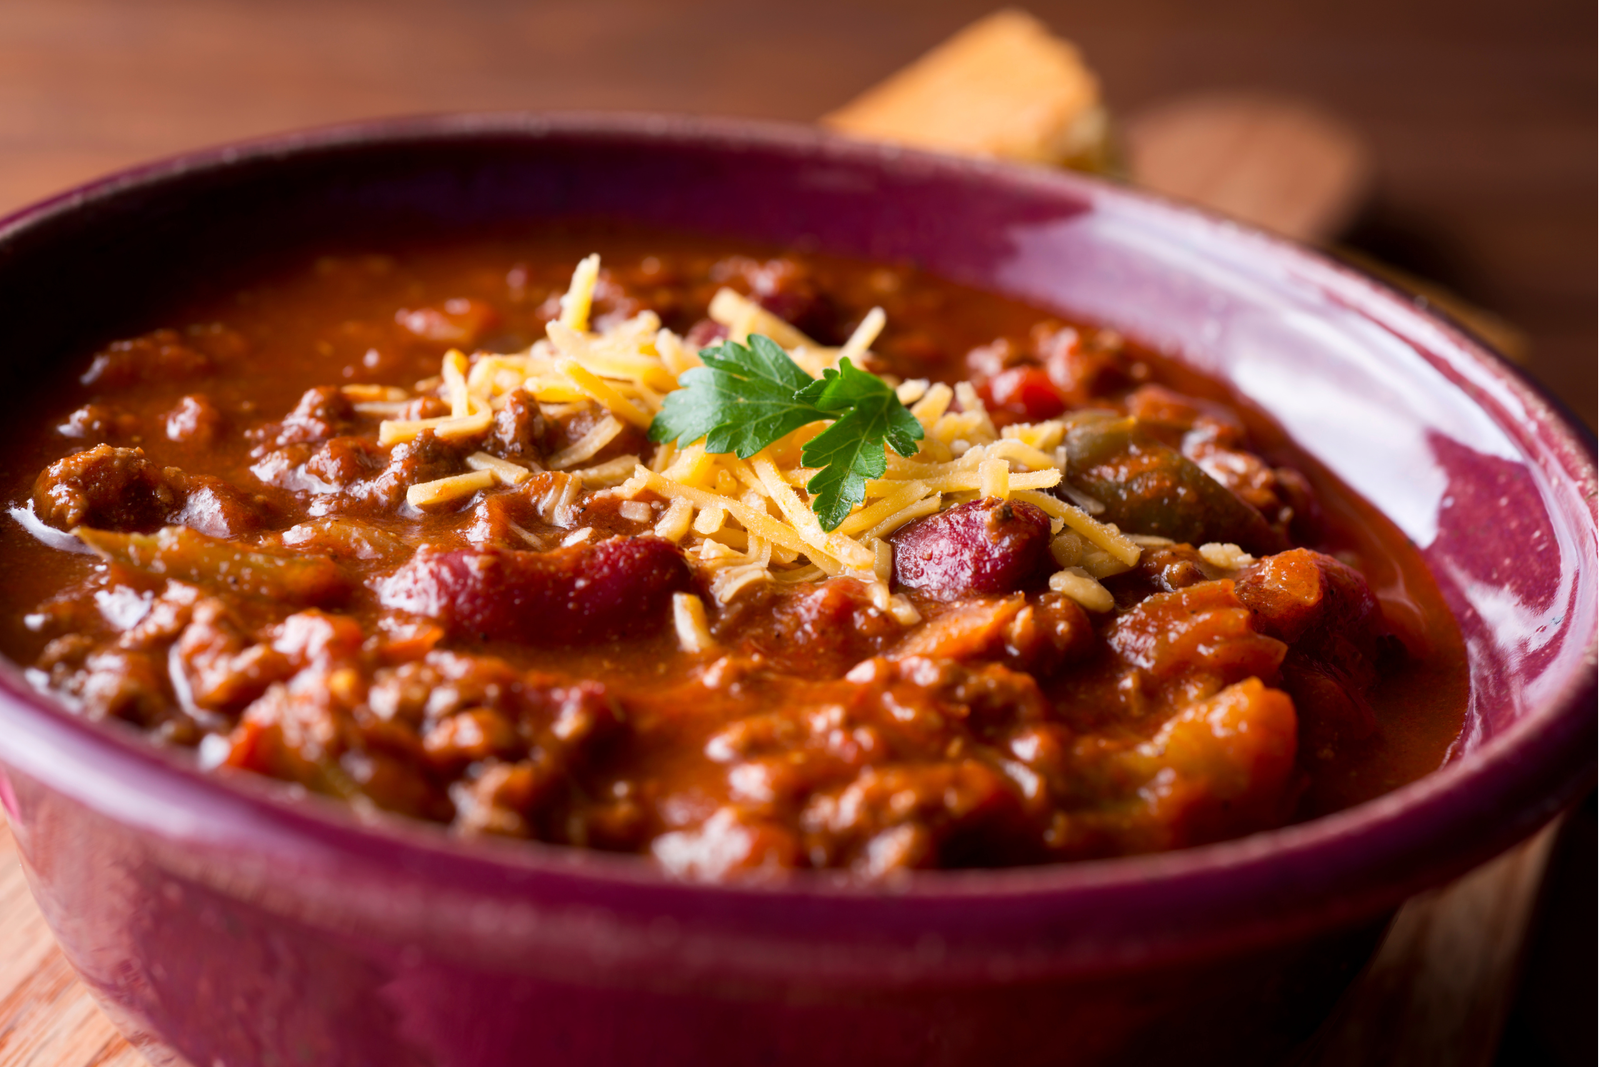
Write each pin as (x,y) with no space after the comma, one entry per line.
(1481,116)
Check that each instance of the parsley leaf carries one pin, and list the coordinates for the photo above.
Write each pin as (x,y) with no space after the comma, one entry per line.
(741,401)
(868,414)
(745,398)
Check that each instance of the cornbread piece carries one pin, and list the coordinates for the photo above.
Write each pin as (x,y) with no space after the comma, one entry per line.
(1004,86)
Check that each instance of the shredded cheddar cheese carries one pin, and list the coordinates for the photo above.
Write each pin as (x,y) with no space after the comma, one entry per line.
(746,521)
(1225,556)
(445,427)
(505,472)
(587,445)
(580,294)
(1083,587)
(443,490)
(375,394)
(689,619)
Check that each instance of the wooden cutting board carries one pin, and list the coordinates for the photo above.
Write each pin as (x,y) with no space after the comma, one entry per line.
(47,1018)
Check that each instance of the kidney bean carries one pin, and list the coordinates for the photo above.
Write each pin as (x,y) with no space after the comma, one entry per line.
(981,547)
(565,597)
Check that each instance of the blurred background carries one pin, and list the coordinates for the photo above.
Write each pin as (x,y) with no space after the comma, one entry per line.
(1475,122)
(1478,117)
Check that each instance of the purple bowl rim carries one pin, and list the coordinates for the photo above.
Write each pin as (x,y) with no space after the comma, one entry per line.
(1403,821)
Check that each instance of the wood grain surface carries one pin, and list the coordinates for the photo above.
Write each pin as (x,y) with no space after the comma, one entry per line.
(1478,139)
(47,1018)
(1438,991)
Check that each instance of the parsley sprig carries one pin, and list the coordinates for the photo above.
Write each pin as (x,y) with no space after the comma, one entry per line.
(745,398)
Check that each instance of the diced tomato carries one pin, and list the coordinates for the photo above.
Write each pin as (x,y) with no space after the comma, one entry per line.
(1028,391)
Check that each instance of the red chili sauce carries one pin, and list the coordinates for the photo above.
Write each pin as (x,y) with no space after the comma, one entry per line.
(517,687)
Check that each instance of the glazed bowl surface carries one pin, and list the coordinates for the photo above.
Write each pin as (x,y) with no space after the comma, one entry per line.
(232,922)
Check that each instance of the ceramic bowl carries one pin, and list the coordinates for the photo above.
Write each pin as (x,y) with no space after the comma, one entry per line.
(232,923)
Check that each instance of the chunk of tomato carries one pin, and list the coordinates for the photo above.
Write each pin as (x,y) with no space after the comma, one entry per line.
(1027,391)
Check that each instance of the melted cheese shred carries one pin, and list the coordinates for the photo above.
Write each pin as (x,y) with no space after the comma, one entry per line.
(444,490)
(505,472)
(749,521)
